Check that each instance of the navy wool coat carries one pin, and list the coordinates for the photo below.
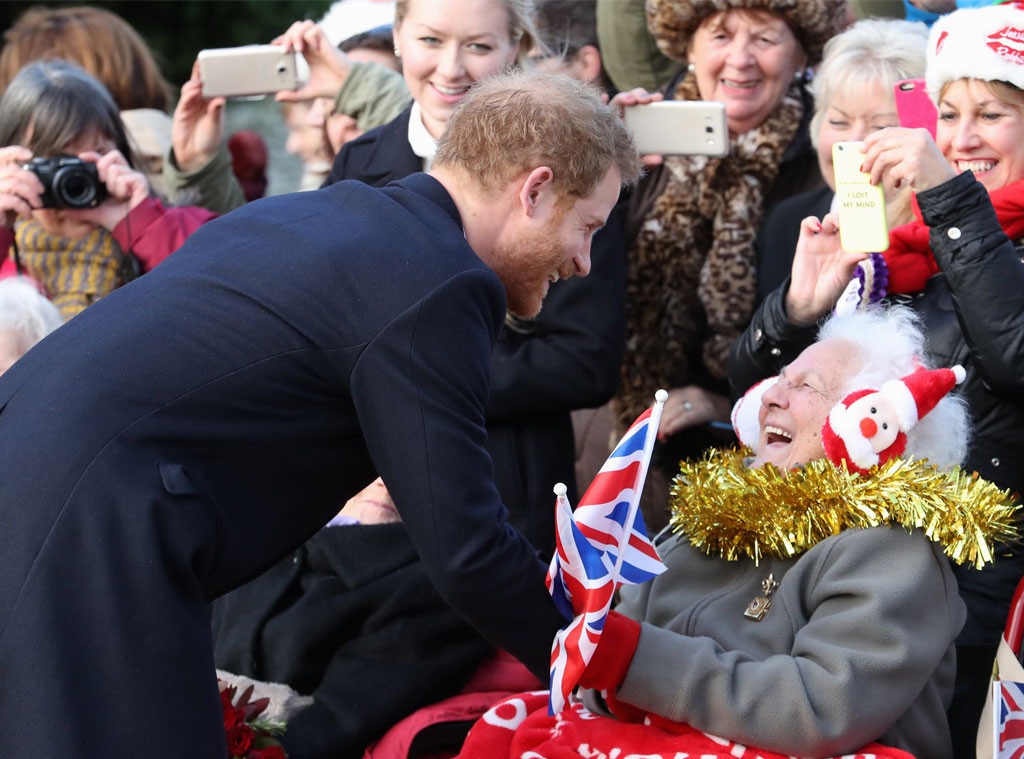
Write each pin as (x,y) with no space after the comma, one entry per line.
(192,427)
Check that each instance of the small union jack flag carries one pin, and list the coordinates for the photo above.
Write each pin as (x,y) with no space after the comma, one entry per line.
(1009,719)
(599,548)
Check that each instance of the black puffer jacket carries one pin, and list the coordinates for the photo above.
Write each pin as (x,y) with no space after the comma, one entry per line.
(973,314)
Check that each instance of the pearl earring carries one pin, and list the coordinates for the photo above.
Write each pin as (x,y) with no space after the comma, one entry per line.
(691,67)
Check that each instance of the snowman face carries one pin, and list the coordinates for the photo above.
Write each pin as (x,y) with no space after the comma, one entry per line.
(875,417)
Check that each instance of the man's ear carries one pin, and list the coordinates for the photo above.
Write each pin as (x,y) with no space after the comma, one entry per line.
(536,190)
(588,63)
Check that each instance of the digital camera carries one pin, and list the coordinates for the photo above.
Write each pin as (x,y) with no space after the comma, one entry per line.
(68,182)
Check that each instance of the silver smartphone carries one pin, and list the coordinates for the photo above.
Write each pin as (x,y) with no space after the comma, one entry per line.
(679,127)
(247,71)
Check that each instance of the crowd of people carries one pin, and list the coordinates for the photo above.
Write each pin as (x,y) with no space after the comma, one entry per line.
(477,287)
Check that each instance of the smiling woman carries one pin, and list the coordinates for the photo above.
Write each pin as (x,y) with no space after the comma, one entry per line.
(958,264)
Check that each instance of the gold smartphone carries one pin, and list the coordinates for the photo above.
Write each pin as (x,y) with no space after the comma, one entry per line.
(247,71)
(860,204)
(679,127)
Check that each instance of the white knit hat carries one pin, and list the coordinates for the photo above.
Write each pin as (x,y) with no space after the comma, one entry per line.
(977,43)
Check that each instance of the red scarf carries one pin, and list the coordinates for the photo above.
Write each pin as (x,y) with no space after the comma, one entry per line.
(910,258)
(520,726)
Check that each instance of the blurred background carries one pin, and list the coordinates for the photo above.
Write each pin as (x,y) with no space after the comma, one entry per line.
(177,30)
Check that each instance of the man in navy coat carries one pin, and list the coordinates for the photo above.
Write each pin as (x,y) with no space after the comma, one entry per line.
(183,433)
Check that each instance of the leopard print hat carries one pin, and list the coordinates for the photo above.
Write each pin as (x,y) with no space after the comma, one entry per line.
(814,22)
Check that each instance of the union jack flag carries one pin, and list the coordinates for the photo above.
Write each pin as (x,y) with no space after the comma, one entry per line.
(1009,719)
(599,548)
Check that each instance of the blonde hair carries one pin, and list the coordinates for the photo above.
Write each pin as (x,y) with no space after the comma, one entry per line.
(872,51)
(515,122)
(521,28)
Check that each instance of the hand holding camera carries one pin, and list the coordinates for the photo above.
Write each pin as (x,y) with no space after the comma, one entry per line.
(99,189)
(68,182)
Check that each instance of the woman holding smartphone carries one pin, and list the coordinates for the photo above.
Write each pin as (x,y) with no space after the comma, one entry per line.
(694,220)
(958,264)
(853,97)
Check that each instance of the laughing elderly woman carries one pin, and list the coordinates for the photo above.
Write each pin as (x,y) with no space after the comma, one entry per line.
(804,611)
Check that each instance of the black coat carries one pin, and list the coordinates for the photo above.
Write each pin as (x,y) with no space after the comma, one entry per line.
(352,619)
(565,359)
(191,428)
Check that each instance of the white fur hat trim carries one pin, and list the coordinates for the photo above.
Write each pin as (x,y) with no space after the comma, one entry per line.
(977,43)
(745,413)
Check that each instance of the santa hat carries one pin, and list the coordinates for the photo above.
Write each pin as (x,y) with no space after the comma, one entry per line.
(918,393)
(977,43)
(745,422)
(911,398)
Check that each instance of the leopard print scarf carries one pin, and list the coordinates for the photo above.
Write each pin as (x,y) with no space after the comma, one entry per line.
(691,286)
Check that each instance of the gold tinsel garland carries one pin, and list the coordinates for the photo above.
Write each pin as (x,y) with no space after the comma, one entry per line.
(731,511)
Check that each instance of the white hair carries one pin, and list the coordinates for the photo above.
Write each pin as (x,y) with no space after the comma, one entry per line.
(890,344)
(26,312)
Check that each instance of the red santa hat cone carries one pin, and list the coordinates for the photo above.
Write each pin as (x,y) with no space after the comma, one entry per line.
(918,393)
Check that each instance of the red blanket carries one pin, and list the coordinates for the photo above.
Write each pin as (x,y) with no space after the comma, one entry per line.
(519,726)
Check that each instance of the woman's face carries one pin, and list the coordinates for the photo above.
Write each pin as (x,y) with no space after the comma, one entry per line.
(794,409)
(746,60)
(446,46)
(67,222)
(850,117)
(977,132)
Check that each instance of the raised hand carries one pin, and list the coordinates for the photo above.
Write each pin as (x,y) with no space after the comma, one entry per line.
(328,66)
(197,130)
(821,270)
(20,189)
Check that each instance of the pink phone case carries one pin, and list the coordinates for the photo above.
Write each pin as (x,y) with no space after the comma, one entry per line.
(914,107)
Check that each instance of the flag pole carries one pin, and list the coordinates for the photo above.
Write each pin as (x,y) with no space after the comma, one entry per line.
(652,430)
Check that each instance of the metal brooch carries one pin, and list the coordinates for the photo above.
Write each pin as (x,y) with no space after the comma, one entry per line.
(758,607)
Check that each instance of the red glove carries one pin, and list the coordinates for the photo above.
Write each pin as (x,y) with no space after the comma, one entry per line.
(607,668)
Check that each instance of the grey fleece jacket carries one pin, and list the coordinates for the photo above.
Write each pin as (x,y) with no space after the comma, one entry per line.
(857,645)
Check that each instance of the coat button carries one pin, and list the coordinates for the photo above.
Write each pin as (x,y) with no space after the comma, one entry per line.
(995,462)
(776,352)
(954,233)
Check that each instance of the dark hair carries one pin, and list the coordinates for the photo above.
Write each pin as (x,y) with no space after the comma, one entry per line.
(50,105)
(380,38)
(101,42)
(566,25)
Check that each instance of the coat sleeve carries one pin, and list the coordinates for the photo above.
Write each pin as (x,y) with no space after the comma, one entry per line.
(152,232)
(419,389)
(768,343)
(212,186)
(985,277)
(371,94)
(881,604)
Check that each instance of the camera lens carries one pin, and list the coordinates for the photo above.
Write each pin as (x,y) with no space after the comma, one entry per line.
(75,187)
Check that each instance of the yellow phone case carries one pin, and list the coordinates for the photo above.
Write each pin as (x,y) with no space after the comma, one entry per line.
(861,205)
